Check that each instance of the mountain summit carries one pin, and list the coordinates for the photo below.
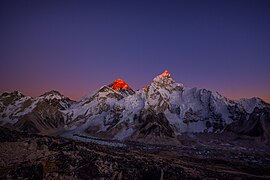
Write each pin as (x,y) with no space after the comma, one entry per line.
(165,74)
(53,94)
(121,86)
(165,81)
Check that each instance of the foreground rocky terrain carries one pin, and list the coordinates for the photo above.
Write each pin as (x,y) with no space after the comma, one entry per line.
(29,156)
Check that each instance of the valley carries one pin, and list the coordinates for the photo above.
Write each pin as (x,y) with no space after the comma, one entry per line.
(37,157)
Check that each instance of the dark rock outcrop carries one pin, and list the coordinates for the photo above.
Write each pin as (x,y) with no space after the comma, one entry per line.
(154,128)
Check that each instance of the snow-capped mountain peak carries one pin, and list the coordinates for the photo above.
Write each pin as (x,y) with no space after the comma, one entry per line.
(121,86)
(52,95)
(165,81)
(165,74)
(250,104)
(160,111)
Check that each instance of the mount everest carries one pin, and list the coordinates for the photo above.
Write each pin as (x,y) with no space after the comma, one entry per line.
(157,113)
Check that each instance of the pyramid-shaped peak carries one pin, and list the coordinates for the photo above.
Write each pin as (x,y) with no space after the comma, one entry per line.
(119,84)
(165,80)
(52,92)
(52,95)
(165,74)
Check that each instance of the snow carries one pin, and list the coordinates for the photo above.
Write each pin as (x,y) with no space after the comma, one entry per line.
(27,109)
(53,96)
(175,120)
(250,104)
(22,106)
(14,110)
(163,95)
(161,90)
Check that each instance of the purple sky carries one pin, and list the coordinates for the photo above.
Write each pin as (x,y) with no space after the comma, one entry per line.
(77,46)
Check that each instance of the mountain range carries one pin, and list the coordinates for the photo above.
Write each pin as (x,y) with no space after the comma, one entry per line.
(158,113)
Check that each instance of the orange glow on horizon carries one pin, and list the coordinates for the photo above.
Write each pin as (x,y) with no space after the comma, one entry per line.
(265,98)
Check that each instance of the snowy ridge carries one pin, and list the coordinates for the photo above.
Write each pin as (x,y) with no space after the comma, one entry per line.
(158,112)
(25,112)
(185,109)
(250,104)
(94,104)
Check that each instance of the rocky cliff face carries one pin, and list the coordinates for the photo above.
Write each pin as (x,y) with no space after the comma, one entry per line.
(36,115)
(256,124)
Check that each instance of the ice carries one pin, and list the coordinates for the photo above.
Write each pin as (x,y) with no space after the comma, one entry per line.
(250,104)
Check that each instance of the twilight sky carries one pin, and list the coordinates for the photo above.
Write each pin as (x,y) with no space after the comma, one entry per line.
(77,46)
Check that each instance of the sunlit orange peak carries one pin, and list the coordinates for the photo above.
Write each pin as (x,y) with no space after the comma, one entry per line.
(119,84)
(165,73)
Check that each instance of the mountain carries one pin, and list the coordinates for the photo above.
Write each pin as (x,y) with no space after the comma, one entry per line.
(159,113)
(121,86)
(35,115)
